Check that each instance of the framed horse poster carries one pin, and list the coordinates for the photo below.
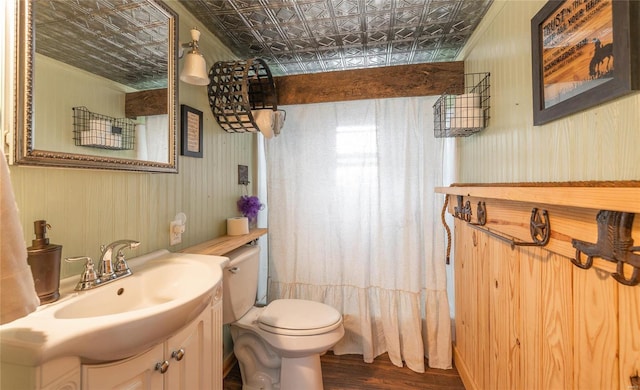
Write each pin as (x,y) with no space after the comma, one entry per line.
(584,53)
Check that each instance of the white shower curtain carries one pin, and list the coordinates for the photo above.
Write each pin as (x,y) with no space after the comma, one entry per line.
(354,223)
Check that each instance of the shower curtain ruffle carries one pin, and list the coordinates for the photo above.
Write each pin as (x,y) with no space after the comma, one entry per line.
(369,330)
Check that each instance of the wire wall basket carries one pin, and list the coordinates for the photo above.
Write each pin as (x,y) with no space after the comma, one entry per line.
(463,110)
(102,131)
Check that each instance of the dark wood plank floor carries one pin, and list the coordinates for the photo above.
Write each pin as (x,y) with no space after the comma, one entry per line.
(349,372)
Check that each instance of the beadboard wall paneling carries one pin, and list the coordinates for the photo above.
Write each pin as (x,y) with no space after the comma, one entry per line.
(597,144)
(87,208)
(62,87)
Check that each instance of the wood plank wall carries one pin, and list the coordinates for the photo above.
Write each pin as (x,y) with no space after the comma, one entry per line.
(527,318)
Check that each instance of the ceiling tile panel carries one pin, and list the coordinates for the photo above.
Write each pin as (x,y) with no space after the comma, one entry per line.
(379,21)
(277,47)
(313,10)
(376,60)
(321,27)
(354,62)
(348,24)
(408,16)
(353,51)
(345,7)
(328,35)
(256,17)
(350,40)
(372,6)
(377,37)
(331,64)
(404,33)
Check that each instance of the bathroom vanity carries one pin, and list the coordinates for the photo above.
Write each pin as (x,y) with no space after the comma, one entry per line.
(159,328)
(183,361)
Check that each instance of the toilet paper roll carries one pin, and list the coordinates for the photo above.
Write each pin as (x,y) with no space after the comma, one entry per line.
(467,100)
(466,118)
(265,120)
(237,226)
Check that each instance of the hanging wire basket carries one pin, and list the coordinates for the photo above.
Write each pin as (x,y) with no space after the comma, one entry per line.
(237,90)
(102,131)
(464,109)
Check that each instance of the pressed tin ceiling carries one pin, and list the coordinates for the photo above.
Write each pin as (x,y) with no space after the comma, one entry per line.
(310,36)
(123,40)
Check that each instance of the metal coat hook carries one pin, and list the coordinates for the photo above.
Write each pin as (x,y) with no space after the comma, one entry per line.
(462,212)
(481,215)
(614,244)
(539,227)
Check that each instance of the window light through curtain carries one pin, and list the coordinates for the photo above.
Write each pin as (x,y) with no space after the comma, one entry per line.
(354,223)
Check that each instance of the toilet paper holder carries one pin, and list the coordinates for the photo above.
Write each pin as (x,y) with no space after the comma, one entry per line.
(238,91)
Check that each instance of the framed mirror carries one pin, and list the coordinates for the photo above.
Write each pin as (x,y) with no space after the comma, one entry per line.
(96,85)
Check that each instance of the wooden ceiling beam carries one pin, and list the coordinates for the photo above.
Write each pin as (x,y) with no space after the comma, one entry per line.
(430,79)
(143,103)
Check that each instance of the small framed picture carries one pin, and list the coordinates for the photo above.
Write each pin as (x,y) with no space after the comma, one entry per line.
(190,131)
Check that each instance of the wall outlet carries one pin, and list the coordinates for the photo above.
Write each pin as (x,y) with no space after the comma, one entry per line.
(175,232)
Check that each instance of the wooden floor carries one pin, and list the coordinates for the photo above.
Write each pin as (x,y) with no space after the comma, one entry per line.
(350,372)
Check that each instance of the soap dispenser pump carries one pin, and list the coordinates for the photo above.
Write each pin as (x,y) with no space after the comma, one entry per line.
(44,259)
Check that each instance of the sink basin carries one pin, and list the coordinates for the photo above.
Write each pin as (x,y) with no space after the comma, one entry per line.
(120,319)
(158,285)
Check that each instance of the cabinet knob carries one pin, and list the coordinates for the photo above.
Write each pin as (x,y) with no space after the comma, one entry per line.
(178,355)
(162,366)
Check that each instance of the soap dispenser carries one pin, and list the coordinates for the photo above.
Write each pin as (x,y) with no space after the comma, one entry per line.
(44,259)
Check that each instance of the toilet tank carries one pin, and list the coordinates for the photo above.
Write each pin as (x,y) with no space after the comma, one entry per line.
(240,282)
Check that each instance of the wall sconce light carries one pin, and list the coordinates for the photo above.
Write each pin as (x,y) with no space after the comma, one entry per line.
(195,67)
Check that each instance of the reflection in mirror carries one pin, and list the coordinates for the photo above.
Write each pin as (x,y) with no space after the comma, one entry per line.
(90,63)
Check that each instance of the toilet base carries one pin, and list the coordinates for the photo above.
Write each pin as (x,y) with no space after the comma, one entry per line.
(301,373)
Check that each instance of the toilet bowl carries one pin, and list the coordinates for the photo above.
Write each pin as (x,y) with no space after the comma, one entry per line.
(278,346)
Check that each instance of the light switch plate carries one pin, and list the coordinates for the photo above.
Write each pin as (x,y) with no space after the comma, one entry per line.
(243,174)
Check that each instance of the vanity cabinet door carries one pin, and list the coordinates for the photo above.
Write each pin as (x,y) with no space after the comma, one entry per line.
(189,354)
(138,372)
(187,358)
(217,361)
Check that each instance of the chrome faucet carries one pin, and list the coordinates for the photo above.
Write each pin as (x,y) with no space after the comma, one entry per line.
(106,266)
(108,270)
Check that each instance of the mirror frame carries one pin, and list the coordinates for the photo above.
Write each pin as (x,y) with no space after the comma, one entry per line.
(24,151)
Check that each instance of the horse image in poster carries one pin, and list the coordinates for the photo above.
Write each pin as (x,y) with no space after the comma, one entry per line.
(601,62)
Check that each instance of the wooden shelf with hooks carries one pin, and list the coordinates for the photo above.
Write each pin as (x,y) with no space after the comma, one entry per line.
(572,208)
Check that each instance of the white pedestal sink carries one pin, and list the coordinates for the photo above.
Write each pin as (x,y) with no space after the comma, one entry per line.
(117,320)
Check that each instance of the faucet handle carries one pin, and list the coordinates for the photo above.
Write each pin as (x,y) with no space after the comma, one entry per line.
(89,277)
(121,266)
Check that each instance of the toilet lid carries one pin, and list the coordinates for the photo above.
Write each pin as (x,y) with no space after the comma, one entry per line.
(299,317)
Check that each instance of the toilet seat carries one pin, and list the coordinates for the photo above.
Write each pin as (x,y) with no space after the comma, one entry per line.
(298,317)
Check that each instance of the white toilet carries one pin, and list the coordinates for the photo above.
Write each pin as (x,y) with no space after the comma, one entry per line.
(278,346)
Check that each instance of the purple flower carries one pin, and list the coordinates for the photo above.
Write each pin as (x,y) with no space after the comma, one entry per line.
(249,206)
